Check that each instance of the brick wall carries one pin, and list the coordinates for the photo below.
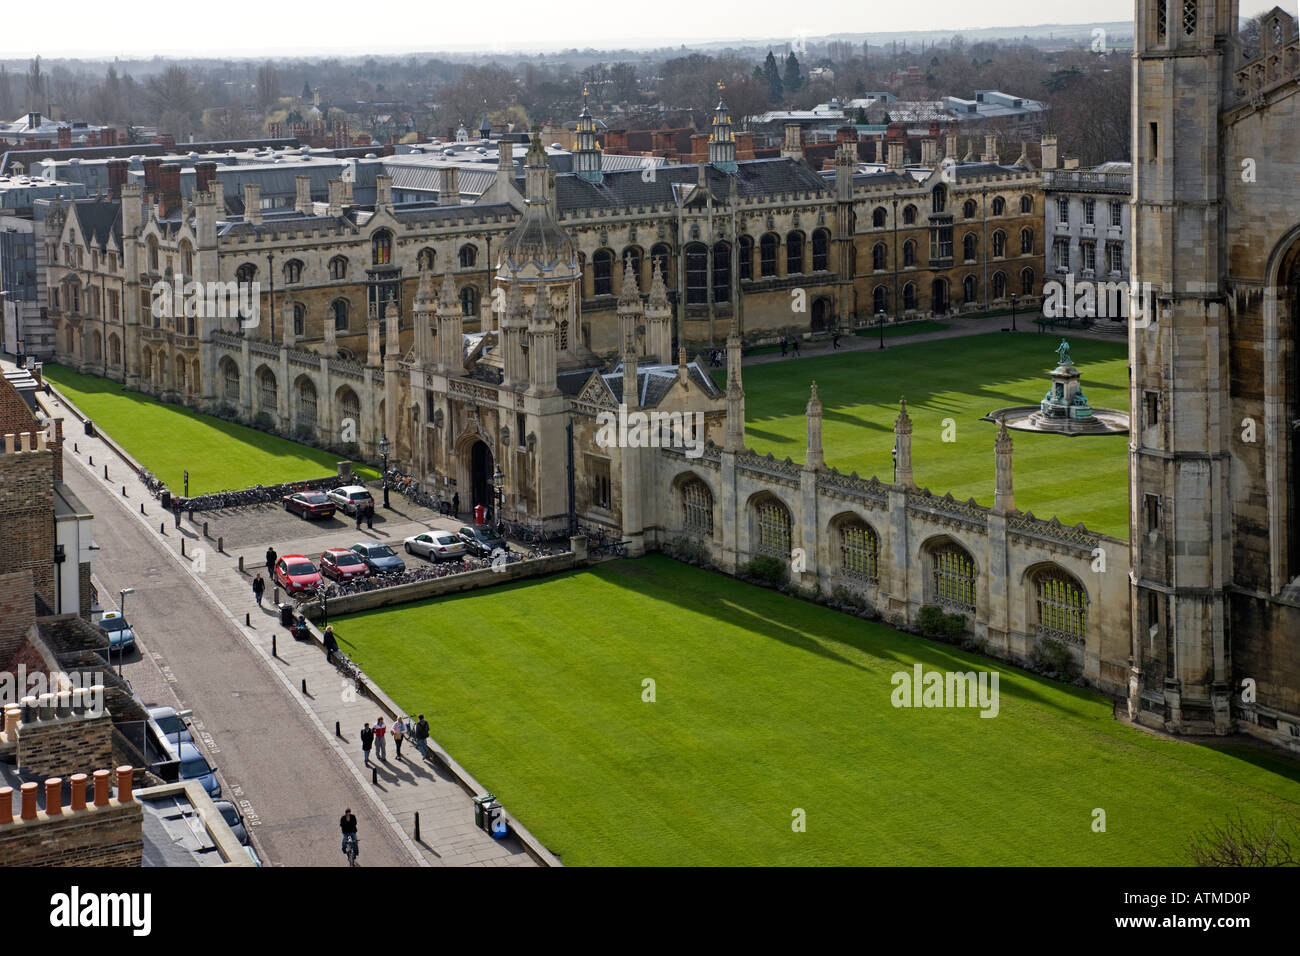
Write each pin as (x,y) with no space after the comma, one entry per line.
(111,835)
(83,586)
(15,416)
(60,748)
(17,612)
(27,518)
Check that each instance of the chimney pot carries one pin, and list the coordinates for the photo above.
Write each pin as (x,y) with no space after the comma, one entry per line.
(29,705)
(53,796)
(26,439)
(13,717)
(9,443)
(124,784)
(6,805)
(46,703)
(29,801)
(79,791)
(101,788)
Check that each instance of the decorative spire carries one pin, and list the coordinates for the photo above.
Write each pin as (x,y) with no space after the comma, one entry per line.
(814,459)
(447,299)
(425,297)
(586,148)
(722,139)
(1004,501)
(630,294)
(903,446)
(735,440)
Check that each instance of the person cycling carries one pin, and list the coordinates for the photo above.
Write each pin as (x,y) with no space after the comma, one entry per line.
(348,824)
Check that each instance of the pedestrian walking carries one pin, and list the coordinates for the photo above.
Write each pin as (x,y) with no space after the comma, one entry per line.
(399,729)
(259,588)
(367,741)
(784,347)
(835,340)
(381,746)
(331,645)
(455,503)
(270,561)
(370,516)
(422,736)
(358,512)
(794,342)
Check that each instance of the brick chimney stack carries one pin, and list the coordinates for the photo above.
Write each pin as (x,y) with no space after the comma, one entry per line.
(253,203)
(169,177)
(116,177)
(204,174)
(152,177)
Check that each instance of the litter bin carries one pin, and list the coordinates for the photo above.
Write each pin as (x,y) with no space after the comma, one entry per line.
(165,499)
(484,803)
(90,428)
(286,615)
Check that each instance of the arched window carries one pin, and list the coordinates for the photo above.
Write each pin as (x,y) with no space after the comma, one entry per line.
(771,527)
(153,255)
(564,335)
(880,299)
(952,578)
(859,551)
(267,393)
(1062,605)
(968,289)
(999,244)
(767,253)
(339,267)
(602,268)
(878,217)
(999,206)
(469,302)
(230,380)
(468,255)
(349,406)
(697,508)
(968,247)
(909,296)
(187,259)
(1189,17)
(245,273)
(938,198)
(746,257)
(878,256)
(722,272)
(632,254)
(114,350)
(339,307)
(821,250)
(794,253)
(1026,242)
(968,209)
(909,253)
(293,271)
(381,248)
(305,410)
(999,285)
(1026,281)
(697,274)
(662,254)
(909,214)
(424,259)
(299,319)
(1026,204)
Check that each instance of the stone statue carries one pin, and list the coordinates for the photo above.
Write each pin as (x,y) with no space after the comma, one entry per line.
(1063,353)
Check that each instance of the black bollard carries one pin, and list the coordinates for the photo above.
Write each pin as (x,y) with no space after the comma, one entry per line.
(220,550)
(124,491)
(248,621)
(374,776)
(205,529)
(338,732)
(417,826)
(304,685)
(106,472)
(241,563)
(92,461)
(75,448)
(142,507)
(273,653)
(162,527)
(182,547)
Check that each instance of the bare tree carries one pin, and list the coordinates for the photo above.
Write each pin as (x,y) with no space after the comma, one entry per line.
(268,86)
(1237,843)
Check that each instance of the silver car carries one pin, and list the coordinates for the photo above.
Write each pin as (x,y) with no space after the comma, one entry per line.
(436,545)
(350,497)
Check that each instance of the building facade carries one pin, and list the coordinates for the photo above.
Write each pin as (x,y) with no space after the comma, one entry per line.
(1086,225)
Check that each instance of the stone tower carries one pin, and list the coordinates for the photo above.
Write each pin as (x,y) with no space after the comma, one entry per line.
(586,150)
(1181,449)
(722,139)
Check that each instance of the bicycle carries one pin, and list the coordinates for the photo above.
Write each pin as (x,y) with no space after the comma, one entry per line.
(351,847)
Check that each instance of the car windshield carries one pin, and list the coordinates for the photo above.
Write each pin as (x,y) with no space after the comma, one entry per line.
(114,624)
(303,568)
(348,560)
(230,814)
(381,551)
(194,767)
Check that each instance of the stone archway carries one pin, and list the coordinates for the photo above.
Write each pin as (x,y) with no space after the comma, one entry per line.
(480,474)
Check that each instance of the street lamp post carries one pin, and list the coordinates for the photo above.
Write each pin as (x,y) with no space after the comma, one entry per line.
(880,320)
(498,485)
(1013,312)
(121,609)
(383,451)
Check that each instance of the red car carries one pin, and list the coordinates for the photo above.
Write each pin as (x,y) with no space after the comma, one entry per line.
(310,504)
(342,564)
(295,573)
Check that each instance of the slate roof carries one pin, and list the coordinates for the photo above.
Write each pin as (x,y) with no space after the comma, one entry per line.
(98,220)
(655,381)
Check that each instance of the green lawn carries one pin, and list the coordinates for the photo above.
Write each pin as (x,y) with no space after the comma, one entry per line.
(907,328)
(167,439)
(1076,479)
(766,705)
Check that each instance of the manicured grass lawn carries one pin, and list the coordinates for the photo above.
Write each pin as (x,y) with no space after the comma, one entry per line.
(765,705)
(907,328)
(963,379)
(167,439)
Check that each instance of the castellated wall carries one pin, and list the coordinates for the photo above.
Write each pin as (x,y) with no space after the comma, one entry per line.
(896,548)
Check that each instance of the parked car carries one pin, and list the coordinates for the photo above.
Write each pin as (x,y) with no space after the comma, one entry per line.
(482,542)
(194,766)
(349,497)
(380,557)
(234,819)
(171,724)
(310,504)
(343,564)
(436,545)
(295,573)
(120,636)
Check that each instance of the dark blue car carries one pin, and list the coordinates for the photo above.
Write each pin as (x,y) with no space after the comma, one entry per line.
(380,558)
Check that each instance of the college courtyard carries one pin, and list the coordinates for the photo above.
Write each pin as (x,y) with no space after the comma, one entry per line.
(648,712)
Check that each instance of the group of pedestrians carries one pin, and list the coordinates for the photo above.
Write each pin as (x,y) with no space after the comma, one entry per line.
(789,343)
(376,737)
(365,512)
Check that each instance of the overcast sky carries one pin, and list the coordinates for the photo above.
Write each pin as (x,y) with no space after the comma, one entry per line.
(254,27)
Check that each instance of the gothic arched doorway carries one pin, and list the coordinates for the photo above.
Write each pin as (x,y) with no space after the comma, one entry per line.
(821,315)
(939,296)
(480,469)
